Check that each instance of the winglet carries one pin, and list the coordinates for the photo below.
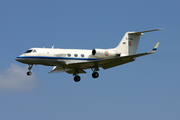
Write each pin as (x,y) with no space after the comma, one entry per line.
(155,47)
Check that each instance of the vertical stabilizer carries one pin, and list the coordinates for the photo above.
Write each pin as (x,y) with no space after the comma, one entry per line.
(129,43)
(133,42)
(123,46)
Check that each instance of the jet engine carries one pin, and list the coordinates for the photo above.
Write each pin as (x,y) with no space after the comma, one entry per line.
(104,53)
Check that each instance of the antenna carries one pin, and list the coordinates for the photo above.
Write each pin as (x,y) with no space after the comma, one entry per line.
(53,47)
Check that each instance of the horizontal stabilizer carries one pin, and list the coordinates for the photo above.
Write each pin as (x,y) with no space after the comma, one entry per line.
(144,31)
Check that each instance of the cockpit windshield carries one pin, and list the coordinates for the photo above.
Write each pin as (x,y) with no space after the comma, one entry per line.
(28,51)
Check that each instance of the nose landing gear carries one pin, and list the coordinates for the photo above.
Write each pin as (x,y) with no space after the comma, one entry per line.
(29,68)
(29,73)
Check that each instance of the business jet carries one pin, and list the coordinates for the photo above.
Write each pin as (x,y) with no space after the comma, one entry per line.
(76,61)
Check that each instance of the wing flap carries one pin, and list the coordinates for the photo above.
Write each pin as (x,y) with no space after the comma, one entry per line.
(75,71)
(116,63)
(58,69)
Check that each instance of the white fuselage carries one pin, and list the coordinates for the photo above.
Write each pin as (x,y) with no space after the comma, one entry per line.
(57,57)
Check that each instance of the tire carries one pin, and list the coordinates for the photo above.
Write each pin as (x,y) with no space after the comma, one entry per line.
(77,78)
(29,73)
(95,75)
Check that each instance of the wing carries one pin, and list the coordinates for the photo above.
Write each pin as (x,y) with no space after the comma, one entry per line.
(105,63)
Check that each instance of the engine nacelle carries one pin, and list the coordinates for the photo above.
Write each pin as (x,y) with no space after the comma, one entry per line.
(104,53)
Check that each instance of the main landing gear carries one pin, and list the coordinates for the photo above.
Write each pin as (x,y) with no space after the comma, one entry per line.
(95,74)
(29,68)
(77,78)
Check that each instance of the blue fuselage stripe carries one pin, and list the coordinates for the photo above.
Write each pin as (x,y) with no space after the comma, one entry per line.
(67,58)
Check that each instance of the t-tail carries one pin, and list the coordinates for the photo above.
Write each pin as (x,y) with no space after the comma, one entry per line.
(129,43)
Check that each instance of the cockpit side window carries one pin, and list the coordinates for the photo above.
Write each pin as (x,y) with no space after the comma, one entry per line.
(34,51)
(28,51)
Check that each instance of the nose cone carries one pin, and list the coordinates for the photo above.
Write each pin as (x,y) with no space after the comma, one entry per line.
(25,59)
(18,59)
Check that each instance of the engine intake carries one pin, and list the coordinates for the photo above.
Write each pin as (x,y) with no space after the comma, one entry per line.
(93,51)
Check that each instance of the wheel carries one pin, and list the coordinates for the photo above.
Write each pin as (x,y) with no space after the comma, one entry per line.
(77,78)
(29,73)
(95,75)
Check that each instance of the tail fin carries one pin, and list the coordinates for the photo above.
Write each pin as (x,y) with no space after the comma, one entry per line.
(129,43)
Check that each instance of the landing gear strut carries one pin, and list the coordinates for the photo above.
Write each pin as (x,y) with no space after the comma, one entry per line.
(29,68)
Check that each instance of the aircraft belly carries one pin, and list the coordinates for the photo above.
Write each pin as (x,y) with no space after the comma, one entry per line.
(58,62)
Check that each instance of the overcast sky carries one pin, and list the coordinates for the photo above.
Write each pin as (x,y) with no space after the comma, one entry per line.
(147,89)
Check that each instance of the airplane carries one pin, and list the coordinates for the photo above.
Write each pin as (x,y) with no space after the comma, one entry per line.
(76,61)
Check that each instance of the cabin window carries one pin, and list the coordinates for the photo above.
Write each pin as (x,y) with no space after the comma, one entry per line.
(75,55)
(124,42)
(69,55)
(82,55)
(28,51)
